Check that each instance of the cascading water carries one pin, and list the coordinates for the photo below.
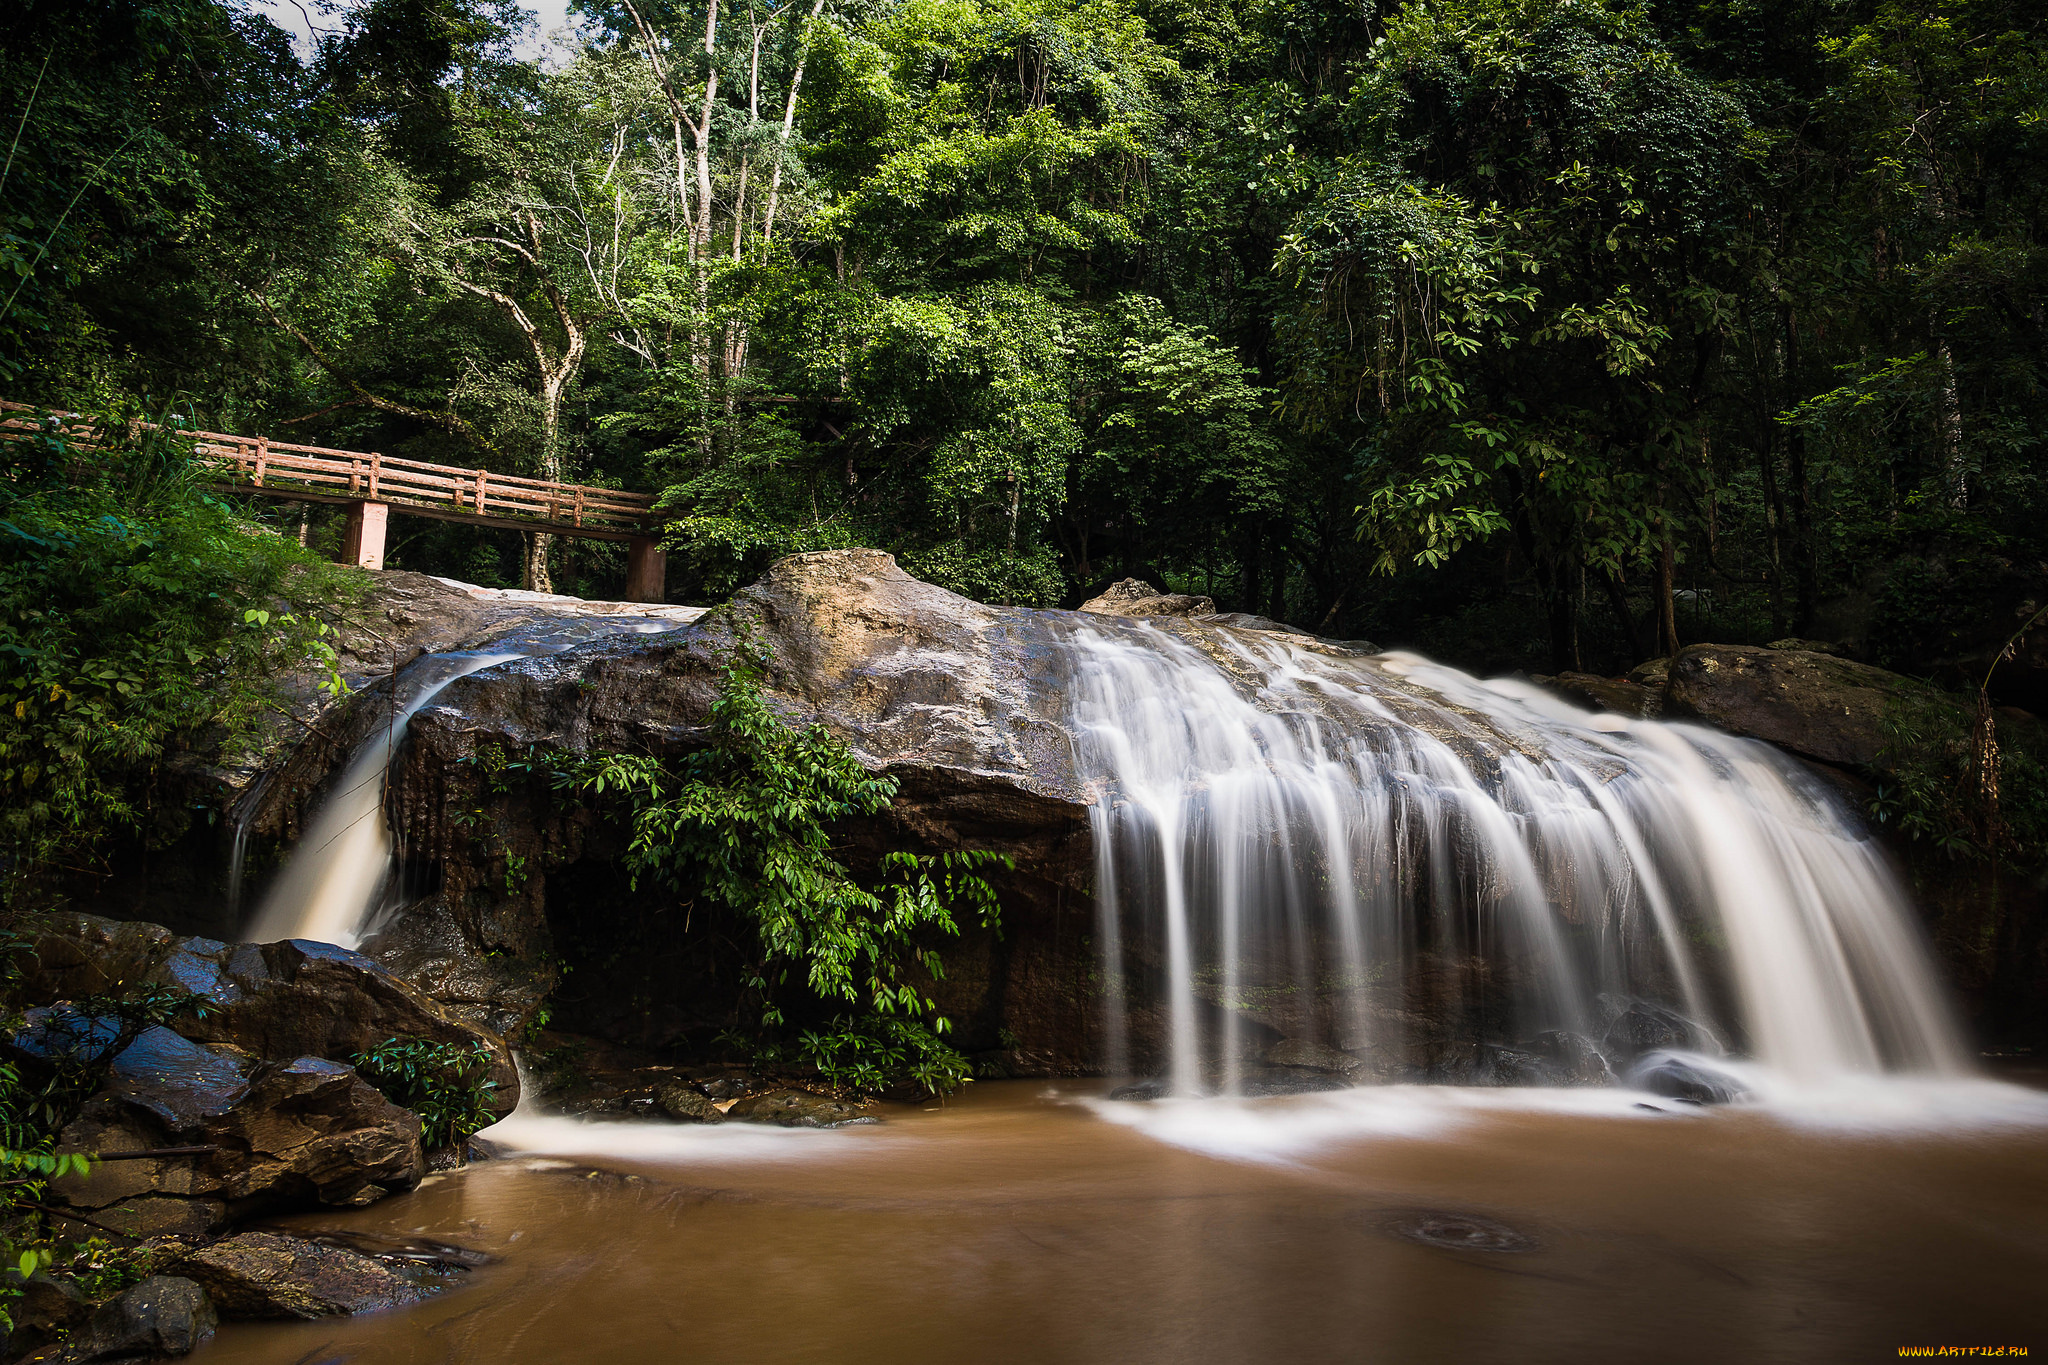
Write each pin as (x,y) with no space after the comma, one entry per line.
(1388,857)
(332,886)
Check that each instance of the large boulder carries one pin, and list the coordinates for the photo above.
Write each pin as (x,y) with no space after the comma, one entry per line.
(957,701)
(218,1132)
(163,1316)
(1816,705)
(274,1000)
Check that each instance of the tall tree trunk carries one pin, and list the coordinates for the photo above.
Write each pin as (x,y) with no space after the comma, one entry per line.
(796,79)
(1953,473)
(1774,518)
(1667,603)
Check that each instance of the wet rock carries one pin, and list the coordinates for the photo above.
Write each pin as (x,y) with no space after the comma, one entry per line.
(270,1275)
(427,948)
(275,1000)
(1282,1080)
(406,615)
(1683,1078)
(273,1135)
(1309,1056)
(165,1315)
(46,1309)
(1573,1057)
(1632,1027)
(1135,597)
(1816,705)
(1238,620)
(1653,674)
(728,1087)
(687,1105)
(799,1109)
(1142,1090)
(1619,695)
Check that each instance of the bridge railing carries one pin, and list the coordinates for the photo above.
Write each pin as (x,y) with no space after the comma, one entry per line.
(279,468)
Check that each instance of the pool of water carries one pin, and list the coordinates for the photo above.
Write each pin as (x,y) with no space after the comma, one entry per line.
(1032,1222)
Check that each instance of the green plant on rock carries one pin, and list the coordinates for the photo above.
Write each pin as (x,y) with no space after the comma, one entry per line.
(447,1084)
(743,824)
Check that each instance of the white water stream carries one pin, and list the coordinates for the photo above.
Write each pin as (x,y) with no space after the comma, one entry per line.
(1315,841)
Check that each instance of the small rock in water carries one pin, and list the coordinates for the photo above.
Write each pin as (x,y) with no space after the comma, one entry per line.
(799,1109)
(727,1087)
(1456,1231)
(1513,1066)
(1635,1027)
(685,1105)
(1142,1090)
(1282,1080)
(1679,1078)
(267,1275)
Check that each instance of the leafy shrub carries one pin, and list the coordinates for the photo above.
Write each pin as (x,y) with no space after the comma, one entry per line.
(873,1051)
(135,606)
(447,1084)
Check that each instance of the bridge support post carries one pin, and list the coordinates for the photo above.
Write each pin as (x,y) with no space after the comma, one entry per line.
(362,543)
(646,570)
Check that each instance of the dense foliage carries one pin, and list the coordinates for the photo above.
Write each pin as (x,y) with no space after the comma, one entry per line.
(137,610)
(743,826)
(1586,327)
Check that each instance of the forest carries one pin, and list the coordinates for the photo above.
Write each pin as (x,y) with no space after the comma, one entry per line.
(1533,334)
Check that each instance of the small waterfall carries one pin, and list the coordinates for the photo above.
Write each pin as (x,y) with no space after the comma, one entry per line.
(1389,857)
(331,886)
(346,860)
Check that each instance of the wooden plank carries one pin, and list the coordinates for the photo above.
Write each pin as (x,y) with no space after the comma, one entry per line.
(438,512)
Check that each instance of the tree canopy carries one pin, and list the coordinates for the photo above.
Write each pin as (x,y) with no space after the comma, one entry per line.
(1535,333)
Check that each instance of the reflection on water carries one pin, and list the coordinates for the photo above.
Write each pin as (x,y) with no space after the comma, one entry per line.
(1028,1223)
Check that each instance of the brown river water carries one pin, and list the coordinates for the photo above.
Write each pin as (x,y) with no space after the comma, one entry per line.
(1030,1222)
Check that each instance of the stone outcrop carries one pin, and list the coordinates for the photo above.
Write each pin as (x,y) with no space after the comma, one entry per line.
(1135,597)
(225,1133)
(272,1000)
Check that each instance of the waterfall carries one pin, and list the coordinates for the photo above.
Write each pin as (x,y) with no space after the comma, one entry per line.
(1430,874)
(346,860)
(331,885)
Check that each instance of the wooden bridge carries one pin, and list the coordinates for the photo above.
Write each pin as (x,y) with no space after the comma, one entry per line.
(372,486)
